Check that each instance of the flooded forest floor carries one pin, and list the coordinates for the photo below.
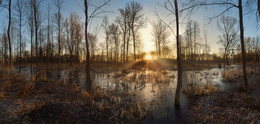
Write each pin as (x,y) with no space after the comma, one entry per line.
(139,92)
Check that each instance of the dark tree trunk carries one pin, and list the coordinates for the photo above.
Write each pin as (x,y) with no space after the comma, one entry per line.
(127,44)
(87,45)
(179,80)
(36,34)
(20,35)
(107,46)
(242,44)
(133,33)
(9,39)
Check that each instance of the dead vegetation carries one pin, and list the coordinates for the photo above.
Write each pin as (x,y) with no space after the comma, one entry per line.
(226,108)
(234,75)
(51,101)
(196,89)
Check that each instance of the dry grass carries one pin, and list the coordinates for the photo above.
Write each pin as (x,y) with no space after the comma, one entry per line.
(234,75)
(195,89)
(25,102)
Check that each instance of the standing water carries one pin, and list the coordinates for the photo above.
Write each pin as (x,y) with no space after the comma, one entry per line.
(155,88)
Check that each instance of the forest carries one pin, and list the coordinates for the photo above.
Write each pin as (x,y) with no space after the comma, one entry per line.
(114,61)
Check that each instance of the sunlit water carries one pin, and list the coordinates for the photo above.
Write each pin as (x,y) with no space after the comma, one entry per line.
(156,88)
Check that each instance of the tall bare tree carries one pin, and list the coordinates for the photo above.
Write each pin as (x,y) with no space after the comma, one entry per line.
(72,34)
(89,15)
(19,10)
(122,20)
(30,22)
(179,83)
(37,22)
(9,38)
(78,38)
(173,8)
(48,33)
(105,26)
(229,37)
(160,35)
(114,32)
(136,19)
(58,21)
(229,4)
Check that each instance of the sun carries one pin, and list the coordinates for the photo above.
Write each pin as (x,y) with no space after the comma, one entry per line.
(148,57)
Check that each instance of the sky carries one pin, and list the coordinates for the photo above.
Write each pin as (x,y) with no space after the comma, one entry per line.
(201,15)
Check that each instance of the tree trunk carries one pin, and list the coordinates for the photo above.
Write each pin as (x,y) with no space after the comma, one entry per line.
(127,44)
(20,35)
(87,45)
(9,39)
(71,58)
(242,44)
(133,33)
(124,47)
(179,80)
(107,46)
(59,34)
(36,35)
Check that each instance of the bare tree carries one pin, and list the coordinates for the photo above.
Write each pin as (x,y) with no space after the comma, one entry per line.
(19,13)
(37,22)
(173,8)
(114,32)
(58,21)
(8,5)
(9,38)
(207,47)
(229,37)
(228,6)
(97,10)
(30,22)
(122,20)
(160,35)
(78,38)
(137,20)
(92,45)
(105,26)
(48,33)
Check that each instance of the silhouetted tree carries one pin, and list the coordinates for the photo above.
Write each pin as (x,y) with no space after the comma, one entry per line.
(19,10)
(58,21)
(160,35)
(173,8)
(136,19)
(30,22)
(88,17)
(114,32)
(9,38)
(37,22)
(229,37)
(105,26)
(122,20)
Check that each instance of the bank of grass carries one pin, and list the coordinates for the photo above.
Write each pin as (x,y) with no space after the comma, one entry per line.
(51,101)
(192,90)
(234,75)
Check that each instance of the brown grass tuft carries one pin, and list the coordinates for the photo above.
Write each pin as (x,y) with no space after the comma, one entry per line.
(234,75)
(192,90)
